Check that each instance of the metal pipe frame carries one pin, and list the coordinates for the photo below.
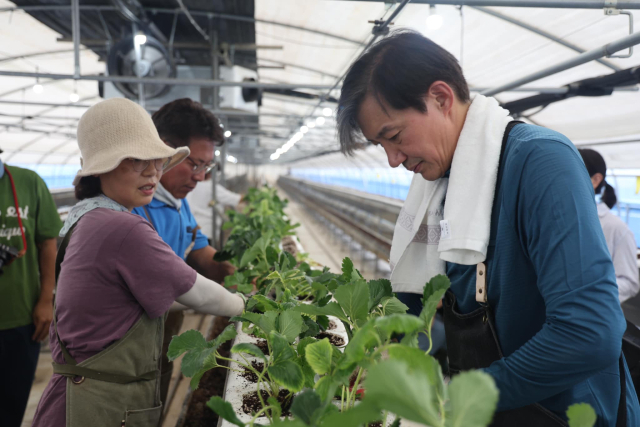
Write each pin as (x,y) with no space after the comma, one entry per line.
(75,27)
(168,81)
(552,4)
(542,33)
(31,55)
(599,52)
(229,113)
(226,16)
(376,34)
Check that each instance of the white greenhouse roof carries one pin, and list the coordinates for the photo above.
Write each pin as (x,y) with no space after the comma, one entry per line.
(492,51)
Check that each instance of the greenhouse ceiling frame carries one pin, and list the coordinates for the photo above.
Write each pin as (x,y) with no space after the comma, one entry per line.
(585,56)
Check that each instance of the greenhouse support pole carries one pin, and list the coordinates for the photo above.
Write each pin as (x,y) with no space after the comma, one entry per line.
(215,71)
(590,55)
(75,28)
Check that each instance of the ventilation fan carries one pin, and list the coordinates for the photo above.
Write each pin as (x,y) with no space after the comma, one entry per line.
(154,62)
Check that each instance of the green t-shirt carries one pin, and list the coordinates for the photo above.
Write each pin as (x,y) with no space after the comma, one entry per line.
(20,281)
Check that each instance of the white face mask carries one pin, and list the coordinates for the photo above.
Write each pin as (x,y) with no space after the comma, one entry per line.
(598,198)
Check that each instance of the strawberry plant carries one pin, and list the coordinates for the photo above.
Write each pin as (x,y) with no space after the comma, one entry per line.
(327,386)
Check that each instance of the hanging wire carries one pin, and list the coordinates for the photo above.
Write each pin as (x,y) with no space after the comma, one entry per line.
(193,21)
(284,39)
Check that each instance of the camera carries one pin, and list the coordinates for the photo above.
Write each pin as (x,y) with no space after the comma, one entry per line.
(7,255)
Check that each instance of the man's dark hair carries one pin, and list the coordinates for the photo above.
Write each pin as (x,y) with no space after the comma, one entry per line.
(398,69)
(87,187)
(180,120)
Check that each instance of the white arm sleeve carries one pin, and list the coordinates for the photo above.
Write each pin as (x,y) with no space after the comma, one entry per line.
(206,296)
(625,263)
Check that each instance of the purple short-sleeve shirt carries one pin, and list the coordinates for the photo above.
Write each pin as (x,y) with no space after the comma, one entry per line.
(116,267)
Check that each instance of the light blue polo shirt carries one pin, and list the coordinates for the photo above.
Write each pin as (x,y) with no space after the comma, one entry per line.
(174,226)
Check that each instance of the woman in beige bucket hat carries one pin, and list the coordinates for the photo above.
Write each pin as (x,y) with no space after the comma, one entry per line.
(118,279)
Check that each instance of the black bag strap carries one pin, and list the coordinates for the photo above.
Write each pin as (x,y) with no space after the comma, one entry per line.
(622,405)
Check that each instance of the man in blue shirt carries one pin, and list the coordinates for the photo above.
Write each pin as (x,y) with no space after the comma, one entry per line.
(552,302)
(184,123)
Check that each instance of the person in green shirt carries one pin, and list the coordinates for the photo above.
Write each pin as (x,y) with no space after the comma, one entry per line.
(28,231)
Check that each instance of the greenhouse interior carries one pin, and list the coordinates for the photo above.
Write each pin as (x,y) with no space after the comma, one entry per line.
(319,213)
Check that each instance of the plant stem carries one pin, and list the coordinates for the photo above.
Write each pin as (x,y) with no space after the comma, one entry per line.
(384,419)
(260,412)
(354,391)
(342,399)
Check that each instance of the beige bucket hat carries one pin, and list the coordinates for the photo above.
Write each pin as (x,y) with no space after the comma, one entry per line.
(116,129)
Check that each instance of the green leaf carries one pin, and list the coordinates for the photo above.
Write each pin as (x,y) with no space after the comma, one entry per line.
(331,309)
(433,292)
(399,324)
(264,303)
(250,349)
(417,360)
(318,356)
(281,350)
(194,361)
(305,404)
(247,317)
(410,340)
(393,305)
(188,340)
(288,374)
(286,423)
(362,414)
(326,387)
(272,256)
(245,288)
(302,345)
(379,289)
(354,300)
(581,415)
(230,332)
(393,387)
(332,285)
(234,279)
(267,322)
(473,397)
(323,322)
(248,257)
(224,410)
(347,269)
(364,339)
(290,325)
(396,423)
(312,328)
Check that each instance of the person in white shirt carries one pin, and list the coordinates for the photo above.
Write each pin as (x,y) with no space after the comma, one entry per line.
(620,239)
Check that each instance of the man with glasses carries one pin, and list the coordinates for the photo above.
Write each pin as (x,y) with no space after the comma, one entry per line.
(184,123)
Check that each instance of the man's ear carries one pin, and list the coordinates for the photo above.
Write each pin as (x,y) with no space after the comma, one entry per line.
(442,94)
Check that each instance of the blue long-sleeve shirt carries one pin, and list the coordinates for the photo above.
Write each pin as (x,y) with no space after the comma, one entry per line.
(551,284)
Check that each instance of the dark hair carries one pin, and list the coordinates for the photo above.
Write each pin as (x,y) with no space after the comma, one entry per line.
(398,69)
(87,187)
(180,120)
(595,164)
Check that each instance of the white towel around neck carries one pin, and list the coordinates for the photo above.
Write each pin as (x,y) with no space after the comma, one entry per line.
(420,247)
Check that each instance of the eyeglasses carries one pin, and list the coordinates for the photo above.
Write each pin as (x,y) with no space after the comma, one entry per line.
(140,165)
(197,168)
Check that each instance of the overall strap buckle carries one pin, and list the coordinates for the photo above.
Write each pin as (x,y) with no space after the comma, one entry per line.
(481,283)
